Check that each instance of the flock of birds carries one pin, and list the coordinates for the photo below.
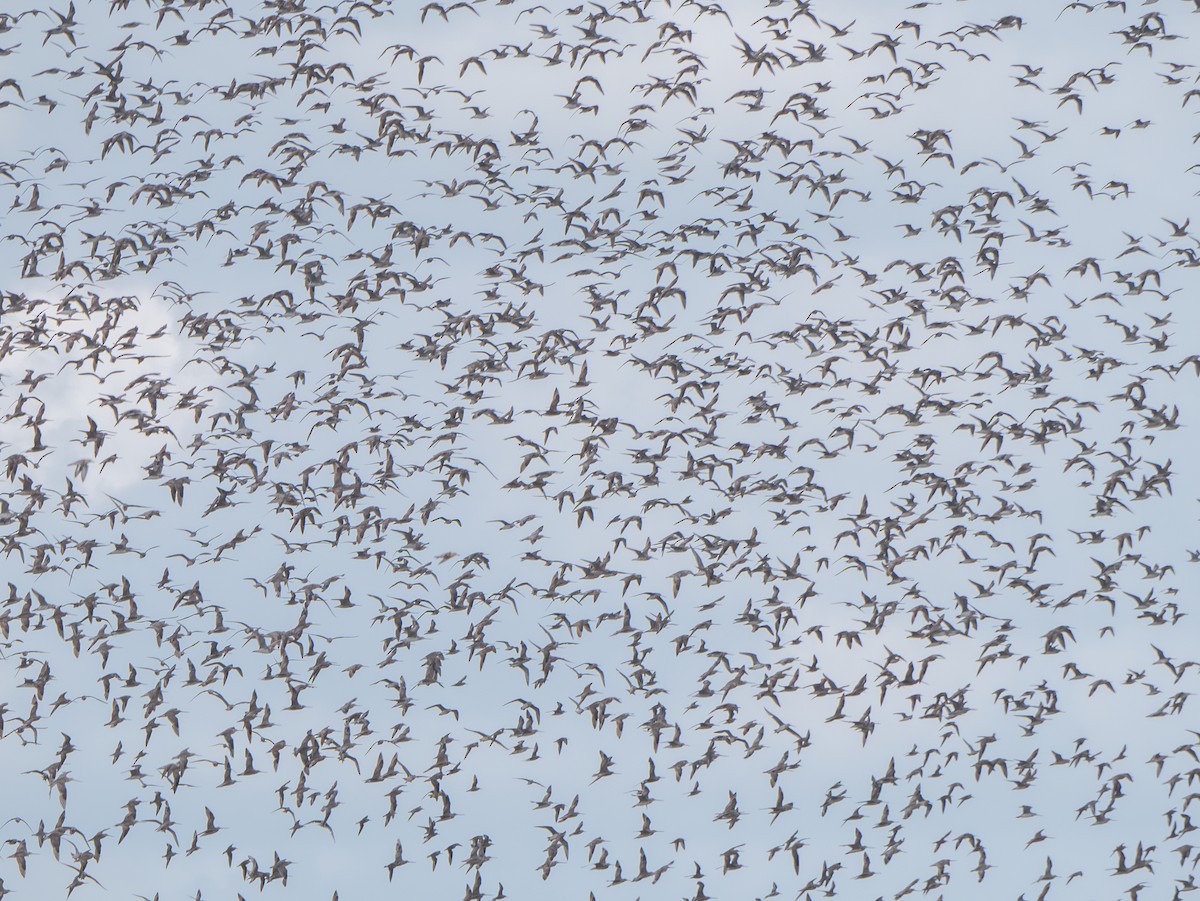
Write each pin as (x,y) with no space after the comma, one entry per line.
(651,449)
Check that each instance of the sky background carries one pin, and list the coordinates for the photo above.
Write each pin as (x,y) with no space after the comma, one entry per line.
(755,371)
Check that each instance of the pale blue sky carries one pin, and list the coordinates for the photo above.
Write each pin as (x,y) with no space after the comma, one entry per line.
(469,239)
